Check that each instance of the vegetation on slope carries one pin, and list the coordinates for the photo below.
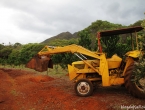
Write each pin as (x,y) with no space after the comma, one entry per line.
(17,54)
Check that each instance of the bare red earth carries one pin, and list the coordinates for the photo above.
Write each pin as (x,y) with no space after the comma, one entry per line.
(23,90)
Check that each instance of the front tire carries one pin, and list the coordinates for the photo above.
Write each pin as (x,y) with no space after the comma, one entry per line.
(84,87)
(134,89)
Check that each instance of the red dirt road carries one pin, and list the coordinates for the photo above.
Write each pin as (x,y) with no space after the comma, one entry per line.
(23,90)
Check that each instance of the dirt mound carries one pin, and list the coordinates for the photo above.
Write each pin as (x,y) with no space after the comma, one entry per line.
(40,78)
(15,72)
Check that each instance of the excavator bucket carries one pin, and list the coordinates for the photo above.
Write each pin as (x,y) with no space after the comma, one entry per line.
(40,63)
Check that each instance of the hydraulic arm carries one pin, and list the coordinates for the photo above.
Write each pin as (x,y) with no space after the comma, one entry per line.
(49,50)
(42,60)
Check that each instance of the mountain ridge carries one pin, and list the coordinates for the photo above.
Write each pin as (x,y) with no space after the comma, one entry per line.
(64,35)
(92,28)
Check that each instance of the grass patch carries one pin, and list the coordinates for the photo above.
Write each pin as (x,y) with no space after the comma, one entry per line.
(14,92)
(55,72)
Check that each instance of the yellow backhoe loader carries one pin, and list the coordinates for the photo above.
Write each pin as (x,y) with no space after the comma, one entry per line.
(87,73)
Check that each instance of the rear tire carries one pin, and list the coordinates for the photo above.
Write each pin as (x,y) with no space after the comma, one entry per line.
(131,86)
(84,87)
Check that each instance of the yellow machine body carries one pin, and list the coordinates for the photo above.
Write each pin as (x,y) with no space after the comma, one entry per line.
(105,68)
(98,69)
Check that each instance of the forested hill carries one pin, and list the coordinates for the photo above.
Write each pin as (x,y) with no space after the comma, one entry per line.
(63,35)
(94,27)
(18,54)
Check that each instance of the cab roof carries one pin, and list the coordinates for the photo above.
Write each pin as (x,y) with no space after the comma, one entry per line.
(120,31)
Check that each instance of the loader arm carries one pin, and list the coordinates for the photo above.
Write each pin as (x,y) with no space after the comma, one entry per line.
(50,50)
(42,61)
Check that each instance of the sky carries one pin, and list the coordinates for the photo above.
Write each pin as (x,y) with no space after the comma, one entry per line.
(33,21)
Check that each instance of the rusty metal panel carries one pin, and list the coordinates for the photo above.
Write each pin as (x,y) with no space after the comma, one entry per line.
(120,31)
(39,63)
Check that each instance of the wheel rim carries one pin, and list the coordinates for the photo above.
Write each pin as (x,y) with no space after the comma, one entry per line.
(141,84)
(83,88)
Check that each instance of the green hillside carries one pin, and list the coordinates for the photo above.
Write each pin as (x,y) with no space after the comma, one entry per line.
(61,36)
(66,38)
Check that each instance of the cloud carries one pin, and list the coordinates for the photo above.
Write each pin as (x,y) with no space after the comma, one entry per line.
(126,12)
(36,20)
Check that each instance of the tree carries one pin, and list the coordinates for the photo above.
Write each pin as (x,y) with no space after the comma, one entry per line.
(1,46)
(4,53)
(28,51)
(56,60)
(137,23)
(110,43)
(14,58)
(139,70)
(84,39)
(97,26)
(63,42)
(143,23)
(63,59)
(17,45)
